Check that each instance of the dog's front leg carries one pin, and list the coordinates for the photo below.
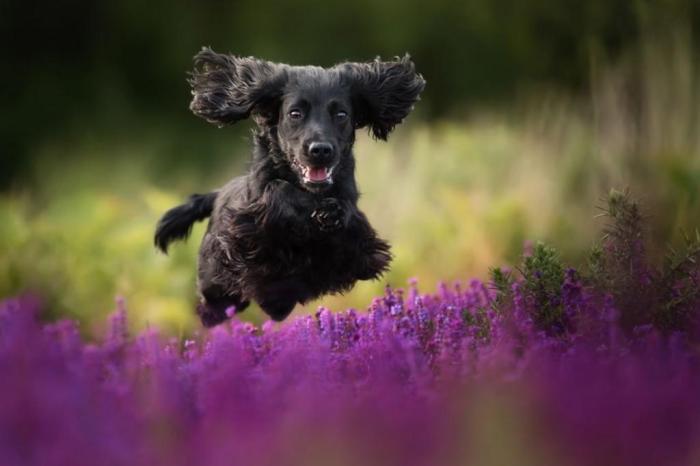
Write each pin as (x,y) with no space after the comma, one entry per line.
(332,214)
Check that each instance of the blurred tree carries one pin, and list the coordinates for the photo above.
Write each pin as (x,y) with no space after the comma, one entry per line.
(76,66)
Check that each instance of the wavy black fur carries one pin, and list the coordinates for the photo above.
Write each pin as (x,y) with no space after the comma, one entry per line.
(289,230)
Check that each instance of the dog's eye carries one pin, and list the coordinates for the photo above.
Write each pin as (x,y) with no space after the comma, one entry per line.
(295,114)
(341,115)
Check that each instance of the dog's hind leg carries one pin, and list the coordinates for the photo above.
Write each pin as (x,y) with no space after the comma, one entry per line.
(278,299)
(278,310)
(373,259)
(216,284)
(372,255)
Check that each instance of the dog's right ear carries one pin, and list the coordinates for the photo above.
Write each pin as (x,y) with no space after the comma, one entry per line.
(384,92)
(226,88)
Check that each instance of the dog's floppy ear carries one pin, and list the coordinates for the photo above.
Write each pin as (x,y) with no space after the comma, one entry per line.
(226,88)
(384,92)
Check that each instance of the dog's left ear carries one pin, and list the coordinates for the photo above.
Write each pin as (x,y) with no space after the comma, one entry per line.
(227,88)
(383,92)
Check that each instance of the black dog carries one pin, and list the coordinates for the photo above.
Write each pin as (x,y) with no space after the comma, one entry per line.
(289,231)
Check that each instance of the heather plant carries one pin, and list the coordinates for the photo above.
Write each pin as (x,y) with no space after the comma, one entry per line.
(543,276)
(665,296)
(538,367)
(501,282)
(623,267)
(680,287)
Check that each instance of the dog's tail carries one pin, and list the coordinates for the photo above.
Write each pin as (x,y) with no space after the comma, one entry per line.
(177,223)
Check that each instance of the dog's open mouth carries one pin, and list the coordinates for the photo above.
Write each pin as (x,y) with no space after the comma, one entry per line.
(315,175)
(318,175)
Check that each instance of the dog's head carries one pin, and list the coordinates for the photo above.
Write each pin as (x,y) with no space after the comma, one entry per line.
(312,112)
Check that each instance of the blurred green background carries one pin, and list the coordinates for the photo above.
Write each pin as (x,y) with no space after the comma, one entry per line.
(533,110)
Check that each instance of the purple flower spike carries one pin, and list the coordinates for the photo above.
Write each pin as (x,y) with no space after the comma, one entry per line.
(471,372)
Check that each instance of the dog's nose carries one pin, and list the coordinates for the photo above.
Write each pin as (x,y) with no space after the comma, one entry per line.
(320,151)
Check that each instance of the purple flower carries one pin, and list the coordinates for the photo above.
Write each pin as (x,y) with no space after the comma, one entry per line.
(417,379)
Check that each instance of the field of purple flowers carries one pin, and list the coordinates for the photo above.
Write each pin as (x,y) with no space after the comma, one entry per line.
(542,365)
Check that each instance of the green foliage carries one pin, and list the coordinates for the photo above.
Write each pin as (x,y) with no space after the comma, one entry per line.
(665,294)
(501,281)
(620,264)
(596,266)
(543,277)
(680,285)
(478,319)
(80,252)
(624,233)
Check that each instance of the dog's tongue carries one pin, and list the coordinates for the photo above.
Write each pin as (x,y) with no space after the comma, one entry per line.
(318,174)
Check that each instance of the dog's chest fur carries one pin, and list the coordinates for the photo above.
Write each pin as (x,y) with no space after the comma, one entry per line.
(325,261)
(289,230)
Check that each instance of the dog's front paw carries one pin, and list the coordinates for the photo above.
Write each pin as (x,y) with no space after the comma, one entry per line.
(329,216)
